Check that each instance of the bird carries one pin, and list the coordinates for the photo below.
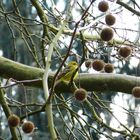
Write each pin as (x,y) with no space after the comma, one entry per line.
(68,72)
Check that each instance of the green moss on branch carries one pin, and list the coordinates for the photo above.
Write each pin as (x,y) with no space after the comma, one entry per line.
(91,82)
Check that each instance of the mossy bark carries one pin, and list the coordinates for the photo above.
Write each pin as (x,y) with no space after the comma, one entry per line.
(90,82)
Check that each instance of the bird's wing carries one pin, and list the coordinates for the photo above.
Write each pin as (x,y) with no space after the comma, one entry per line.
(64,72)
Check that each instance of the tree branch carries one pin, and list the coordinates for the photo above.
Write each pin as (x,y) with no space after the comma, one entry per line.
(91,82)
(11,69)
(128,7)
(7,112)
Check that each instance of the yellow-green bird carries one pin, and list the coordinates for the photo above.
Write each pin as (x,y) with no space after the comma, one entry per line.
(68,71)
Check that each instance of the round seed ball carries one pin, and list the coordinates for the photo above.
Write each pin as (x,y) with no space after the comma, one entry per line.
(106,34)
(108,68)
(103,6)
(97,65)
(28,127)
(88,63)
(125,51)
(110,19)
(136,91)
(13,120)
(80,94)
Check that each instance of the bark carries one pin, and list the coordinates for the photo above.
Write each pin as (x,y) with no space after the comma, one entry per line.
(32,76)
